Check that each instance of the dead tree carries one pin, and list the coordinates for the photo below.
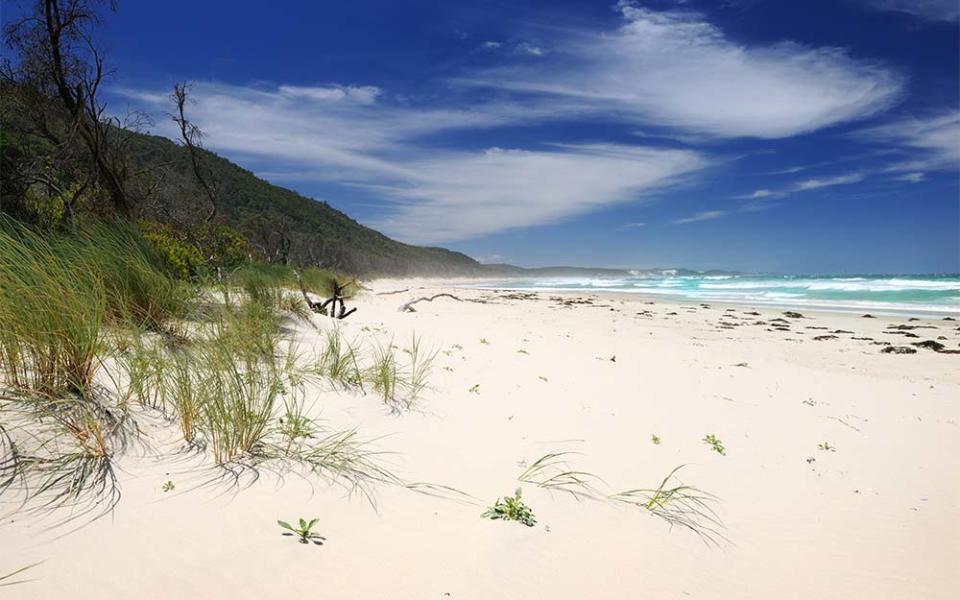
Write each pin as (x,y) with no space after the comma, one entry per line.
(57,56)
(192,138)
(329,306)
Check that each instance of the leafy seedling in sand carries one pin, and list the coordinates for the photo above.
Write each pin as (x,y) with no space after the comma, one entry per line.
(168,486)
(826,447)
(511,508)
(475,388)
(715,443)
(655,439)
(484,341)
(304,531)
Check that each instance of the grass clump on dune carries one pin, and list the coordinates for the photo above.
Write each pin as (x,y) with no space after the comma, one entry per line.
(551,472)
(678,504)
(85,348)
(338,360)
(52,307)
(57,293)
(400,385)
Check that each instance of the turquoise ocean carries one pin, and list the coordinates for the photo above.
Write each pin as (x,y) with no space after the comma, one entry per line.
(882,294)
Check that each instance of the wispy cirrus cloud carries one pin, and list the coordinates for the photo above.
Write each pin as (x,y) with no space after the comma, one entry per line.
(659,71)
(364,94)
(431,194)
(677,70)
(706,215)
(930,10)
(929,143)
(462,195)
(805,185)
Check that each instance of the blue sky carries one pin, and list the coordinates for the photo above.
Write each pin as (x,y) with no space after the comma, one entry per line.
(759,135)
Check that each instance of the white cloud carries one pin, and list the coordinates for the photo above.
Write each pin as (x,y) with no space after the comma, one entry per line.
(632,225)
(912,177)
(817,183)
(806,185)
(675,69)
(931,10)
(434,194)
(365,94)
(529,49)
(491,45)
(707,215)
(927,143)
(462,195)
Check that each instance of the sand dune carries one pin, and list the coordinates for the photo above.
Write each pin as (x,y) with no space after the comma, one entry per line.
(871,514)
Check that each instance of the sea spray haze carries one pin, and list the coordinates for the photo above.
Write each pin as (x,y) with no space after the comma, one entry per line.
(898,294)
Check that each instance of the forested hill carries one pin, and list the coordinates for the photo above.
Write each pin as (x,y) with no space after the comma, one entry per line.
(270,215)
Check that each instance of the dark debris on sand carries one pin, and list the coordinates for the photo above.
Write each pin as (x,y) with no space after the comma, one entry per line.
(899,350)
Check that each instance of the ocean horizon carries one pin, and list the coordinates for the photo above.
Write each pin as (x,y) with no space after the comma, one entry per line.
(930,295)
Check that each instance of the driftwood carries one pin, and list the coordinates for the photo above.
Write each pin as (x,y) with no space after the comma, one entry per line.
(390,293)
(408,307)
(329,306)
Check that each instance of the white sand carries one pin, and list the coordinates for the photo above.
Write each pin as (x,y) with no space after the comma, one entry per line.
(877,518)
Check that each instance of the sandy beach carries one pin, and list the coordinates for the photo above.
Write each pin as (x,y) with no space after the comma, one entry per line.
(839,478)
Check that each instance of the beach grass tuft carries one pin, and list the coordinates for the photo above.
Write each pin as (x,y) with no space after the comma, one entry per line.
(552,472)
(679,505)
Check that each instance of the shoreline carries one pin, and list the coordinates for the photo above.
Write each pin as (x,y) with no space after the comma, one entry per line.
(837,460)
(666,297)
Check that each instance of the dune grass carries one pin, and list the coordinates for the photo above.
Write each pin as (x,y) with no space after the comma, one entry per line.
(338,360)
(400,385)
(52,307)
(679,505)
(7,579)
(85,320)
(551,472)
(261,278)
(384,373)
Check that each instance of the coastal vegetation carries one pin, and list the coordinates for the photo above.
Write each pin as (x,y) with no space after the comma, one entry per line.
(511,508)
(304,531)
(151,285)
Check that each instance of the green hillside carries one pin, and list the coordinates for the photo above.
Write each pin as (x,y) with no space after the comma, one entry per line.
(319,233)
(282,224)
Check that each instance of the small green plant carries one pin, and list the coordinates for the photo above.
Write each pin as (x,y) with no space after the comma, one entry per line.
(511,508)
(168,486)
(484,341)
(475,388)
(715,443)
(655,439)
(826,447)
(304,531)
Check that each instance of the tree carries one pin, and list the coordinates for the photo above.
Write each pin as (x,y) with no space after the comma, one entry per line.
(58,73)
(192,138)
